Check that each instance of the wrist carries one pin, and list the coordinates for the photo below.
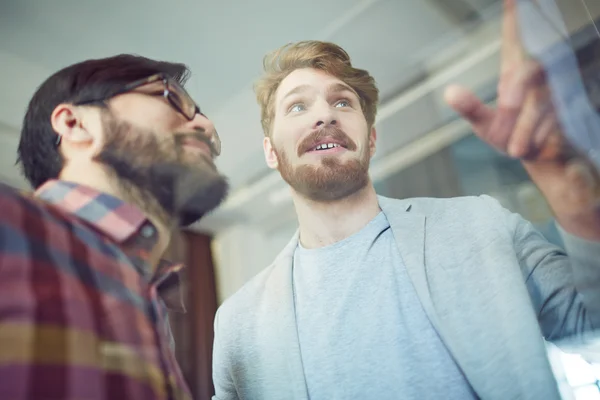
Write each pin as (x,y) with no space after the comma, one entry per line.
(585,226)
(575,206)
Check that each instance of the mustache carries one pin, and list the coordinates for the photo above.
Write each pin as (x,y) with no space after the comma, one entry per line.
(199,135)
(329,132)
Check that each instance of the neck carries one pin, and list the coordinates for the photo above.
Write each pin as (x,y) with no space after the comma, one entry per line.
(96,177)
(322,224)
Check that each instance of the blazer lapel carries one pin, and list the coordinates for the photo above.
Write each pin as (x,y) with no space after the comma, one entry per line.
(444,311)
(284,327)
(409,232)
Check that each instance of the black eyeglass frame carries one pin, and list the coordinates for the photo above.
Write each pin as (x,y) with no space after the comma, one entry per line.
(172,92)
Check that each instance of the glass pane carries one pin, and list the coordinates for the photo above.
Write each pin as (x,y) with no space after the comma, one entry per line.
(587,393)
(482,170)
(578,371)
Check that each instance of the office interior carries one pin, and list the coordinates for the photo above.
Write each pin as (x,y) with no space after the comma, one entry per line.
(413,49)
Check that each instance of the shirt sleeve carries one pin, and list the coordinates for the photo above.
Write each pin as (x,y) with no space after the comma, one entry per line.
(50,314)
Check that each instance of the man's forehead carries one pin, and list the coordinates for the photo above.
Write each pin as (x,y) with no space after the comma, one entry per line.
(307,79)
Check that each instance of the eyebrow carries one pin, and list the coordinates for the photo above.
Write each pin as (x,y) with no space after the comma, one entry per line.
(341,87)
(148,87)
(296,90)
(335,88)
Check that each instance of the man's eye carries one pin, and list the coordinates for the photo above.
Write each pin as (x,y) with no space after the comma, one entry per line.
(297,107)
(342,103)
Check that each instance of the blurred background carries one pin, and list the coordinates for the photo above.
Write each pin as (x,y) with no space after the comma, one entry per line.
(414,48)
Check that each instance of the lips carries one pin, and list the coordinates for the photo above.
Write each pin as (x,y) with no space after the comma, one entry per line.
(197,144)
(327,146)
(331,137)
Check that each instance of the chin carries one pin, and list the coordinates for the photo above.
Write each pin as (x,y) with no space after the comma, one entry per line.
(195,199)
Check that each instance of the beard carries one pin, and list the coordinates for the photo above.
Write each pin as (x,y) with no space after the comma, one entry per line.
(156,174)
(332,180)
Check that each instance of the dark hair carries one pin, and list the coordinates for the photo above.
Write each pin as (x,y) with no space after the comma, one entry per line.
(38,153)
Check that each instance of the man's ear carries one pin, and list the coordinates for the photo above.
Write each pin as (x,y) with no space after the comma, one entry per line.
(67,123)
(77,129)
(270,155)
(372,141)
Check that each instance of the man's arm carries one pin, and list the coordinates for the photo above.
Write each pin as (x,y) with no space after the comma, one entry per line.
(222,379)
(46,329)
(527,126)
(564,284)
(55,343)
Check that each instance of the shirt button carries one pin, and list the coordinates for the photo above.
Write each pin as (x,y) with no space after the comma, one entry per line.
(147,231)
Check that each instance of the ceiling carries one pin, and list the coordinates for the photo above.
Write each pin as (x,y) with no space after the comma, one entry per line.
(410,46)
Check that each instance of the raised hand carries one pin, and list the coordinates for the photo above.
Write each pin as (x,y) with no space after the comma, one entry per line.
(524,124)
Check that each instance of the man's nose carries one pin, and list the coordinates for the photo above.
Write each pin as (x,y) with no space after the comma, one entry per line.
(202,124)
(324,117)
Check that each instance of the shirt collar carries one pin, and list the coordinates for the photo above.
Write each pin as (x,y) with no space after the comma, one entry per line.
(118,220)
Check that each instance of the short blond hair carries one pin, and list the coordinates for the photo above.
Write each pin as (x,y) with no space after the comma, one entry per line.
(324,56)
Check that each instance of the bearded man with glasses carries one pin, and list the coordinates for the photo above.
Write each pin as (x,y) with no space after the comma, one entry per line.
(120,156)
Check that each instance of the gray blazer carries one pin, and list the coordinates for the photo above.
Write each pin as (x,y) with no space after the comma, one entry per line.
(491,285)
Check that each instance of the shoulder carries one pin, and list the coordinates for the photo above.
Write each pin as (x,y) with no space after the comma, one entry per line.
(10,195)
(253,305)
(28,225)
(264,288)
(451,207)
(468,219)
(19,209)
(252,293)
(16,205)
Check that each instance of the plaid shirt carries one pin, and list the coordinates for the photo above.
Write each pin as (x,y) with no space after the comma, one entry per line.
(80,312)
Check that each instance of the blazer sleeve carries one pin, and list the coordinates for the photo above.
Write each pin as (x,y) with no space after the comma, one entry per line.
(564,284)
(221,366)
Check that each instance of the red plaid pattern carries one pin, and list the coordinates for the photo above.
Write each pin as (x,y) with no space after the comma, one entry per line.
(80,312)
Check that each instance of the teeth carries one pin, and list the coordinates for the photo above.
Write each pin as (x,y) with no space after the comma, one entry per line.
(327,146)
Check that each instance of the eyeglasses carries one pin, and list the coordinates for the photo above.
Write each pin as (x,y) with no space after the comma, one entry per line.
(176,96)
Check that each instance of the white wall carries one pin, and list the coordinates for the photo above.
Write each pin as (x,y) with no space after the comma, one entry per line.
(9,172)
